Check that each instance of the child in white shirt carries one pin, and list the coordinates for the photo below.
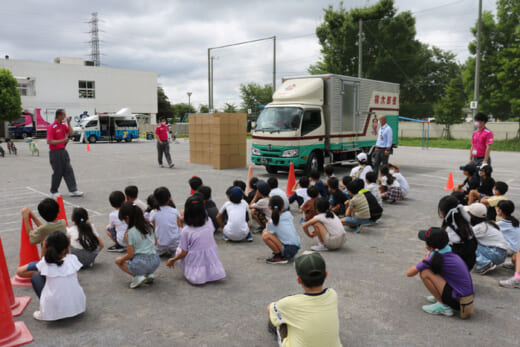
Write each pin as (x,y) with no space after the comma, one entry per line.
(237,227)
(166,221)
(390,188)
(116,229)
(403,183)
(85,242)
(372,186)
(362,169)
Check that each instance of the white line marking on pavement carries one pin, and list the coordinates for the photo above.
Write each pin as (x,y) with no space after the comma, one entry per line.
(65,201)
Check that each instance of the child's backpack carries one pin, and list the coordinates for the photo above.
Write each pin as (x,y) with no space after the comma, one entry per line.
(376,211)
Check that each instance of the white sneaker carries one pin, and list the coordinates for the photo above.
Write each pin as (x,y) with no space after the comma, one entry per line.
(319,247)
(55,195)
(510,283)
(508,265)
(76,193)
(137,281)
(37,315)
(149,278)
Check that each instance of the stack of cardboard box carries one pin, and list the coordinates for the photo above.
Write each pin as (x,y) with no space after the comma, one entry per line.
(219,139)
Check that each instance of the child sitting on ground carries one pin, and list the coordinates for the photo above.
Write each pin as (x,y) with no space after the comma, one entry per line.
(403,183)
(343,185)
(309,319)
(197,253)
(141,259)
(237,227)
(358,210)
(167,223)
(486,185)
(280,234)
(363,167)
(337,198)
(328,172)
(131,193)
(275,191)
(471,182)
(152,205)
(240,184)
(499,194)
(327,227)
(373,187)
(85,242)
(509,225)
(56,283)
(308,209)
(513,282)
(390,188)
(209,205)
(195,183)
(259,206)
(445,275)
(492,247)
(456,222)
(251,190)
(116,228)
(300,194)
(48,209)
(316,181)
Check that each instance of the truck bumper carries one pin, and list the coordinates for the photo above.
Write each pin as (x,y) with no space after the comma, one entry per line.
(277,161)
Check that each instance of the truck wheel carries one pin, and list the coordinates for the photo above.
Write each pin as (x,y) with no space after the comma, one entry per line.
(25,135)
(128,139)
(92,139)
(314,163)
(271,169)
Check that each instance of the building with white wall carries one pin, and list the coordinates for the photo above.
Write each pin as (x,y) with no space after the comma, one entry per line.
(76,86)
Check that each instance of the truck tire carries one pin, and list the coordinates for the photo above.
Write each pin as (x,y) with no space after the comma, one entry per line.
(271,169)
(25,135)
(128,139)
(92,139)
(315,162)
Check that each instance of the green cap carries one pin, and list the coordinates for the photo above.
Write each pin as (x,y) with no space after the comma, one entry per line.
(310,266)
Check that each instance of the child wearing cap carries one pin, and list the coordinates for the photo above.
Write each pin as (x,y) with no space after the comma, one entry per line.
(259,206)
(363,167)
(237,226)
(492,247)
(445,275)
(311,318)
(327,228)
(280,234)
(471,182)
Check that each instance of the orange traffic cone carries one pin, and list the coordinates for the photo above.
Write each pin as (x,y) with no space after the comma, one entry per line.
(88,147)
(62,214)
(17,304)
(28,253)
(291,180)
(449,184)
(11,333)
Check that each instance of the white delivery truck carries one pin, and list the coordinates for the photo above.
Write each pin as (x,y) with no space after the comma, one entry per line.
(322,119)
(121,126)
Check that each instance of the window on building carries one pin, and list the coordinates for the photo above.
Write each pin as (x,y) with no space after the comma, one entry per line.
(26,88)
(87,89)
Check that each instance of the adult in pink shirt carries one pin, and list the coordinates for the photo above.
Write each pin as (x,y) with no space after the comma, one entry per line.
(57,138)
(163,145)
(481,142)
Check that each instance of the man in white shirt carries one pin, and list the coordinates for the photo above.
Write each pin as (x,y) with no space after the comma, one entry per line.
(383,144)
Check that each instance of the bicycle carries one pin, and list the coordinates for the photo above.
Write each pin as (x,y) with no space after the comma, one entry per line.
(33,146)
(2,152)
(11,146)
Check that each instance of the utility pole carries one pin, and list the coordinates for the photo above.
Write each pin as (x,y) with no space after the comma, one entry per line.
(189,101)
(209,80)
(94,40)
(477,58)
(274,63)
(360,47)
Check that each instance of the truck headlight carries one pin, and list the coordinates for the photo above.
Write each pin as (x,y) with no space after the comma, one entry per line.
(291,153)
(255,151)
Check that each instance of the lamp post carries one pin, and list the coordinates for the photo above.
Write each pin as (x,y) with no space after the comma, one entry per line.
(189,101)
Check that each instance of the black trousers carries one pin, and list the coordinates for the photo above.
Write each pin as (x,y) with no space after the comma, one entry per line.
(380,159)
(61,168)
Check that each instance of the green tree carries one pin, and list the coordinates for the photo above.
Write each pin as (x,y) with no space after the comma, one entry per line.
(203,108)
(254,94)
(230,108)
(390,53)
(164,108)
(448,110)
(10,99)
(180,110)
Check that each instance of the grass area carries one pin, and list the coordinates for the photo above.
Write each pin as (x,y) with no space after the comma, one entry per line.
(499,145)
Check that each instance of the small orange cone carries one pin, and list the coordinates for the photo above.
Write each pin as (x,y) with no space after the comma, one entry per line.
(88,147)
(62,214)
(11,333)
(28,253)
(17,304)
(449,184)
(291,180)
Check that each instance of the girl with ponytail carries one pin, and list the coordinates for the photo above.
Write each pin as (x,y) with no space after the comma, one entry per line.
(327,227)
(280,234)
(445,275)
(56,283)
(85,242)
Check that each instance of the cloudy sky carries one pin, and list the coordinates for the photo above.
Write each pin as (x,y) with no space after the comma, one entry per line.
(172,37)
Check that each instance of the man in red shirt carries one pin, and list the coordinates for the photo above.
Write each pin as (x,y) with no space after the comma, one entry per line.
(57,138)
(163,145)
(481,142)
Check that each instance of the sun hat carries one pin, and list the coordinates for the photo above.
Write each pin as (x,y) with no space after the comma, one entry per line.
(477,209)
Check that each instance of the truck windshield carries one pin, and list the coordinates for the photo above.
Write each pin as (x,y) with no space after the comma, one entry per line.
(279,119)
